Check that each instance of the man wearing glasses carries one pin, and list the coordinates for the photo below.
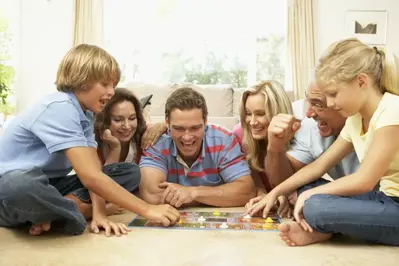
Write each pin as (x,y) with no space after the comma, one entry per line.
(316,133)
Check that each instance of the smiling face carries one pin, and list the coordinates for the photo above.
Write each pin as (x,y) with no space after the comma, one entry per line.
(256,117)
(329,121)
(123,121)
(95,97)
(187,129)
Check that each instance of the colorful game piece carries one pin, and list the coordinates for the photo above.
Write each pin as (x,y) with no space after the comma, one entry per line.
(268,226)
(269,220)
(224,226)
(216,213)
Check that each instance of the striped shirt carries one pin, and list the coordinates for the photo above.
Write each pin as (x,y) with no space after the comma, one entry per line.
(221,160)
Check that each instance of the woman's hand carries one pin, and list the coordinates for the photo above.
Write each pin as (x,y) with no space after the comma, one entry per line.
(110,140)
(152,134)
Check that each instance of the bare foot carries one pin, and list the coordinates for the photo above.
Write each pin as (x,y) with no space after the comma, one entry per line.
(87,209)
(38,229)
(294,235)
(112,209)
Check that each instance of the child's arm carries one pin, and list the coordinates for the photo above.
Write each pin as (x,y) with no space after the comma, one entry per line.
(379,156)
(86,167)
(311,172)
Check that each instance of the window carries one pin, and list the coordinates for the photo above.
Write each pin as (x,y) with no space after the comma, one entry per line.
(9,12)
(204,42)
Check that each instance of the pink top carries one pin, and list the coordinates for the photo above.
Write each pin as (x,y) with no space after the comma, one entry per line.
(237,130)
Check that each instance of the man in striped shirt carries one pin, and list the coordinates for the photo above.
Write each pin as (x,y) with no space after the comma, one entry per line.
(194,163)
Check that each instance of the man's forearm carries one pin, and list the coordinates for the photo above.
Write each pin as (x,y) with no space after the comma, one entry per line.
(150,196)
(233,194)
(278,167)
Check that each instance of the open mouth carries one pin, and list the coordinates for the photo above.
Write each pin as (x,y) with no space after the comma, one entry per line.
(257,130)
(103,103)
(188,145)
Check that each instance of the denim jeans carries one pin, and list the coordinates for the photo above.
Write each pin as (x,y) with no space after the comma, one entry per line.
(373,216)
(31,197)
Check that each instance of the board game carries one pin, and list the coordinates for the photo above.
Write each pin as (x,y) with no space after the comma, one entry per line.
(215,221)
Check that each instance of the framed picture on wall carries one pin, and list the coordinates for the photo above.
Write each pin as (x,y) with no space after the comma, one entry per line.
(368,26)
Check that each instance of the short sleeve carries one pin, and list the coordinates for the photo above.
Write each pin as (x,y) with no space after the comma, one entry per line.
(300,151)
(300,148)
(152,157)
(91,138)
(345,132)
(233,164)
(388,117)
(59,128)
(237,130)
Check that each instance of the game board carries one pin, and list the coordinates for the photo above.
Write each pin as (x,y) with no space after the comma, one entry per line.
(216,220)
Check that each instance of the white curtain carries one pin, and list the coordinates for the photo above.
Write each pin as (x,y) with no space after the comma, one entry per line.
(88,22)
(300,42)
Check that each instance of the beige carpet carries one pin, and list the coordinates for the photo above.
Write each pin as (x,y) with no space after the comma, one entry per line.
(183,247)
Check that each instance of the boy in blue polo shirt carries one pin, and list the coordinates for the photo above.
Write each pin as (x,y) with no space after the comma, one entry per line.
(43,144)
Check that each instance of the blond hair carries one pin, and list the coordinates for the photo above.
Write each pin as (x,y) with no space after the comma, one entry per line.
(85,65)
(346,59)
(276,102)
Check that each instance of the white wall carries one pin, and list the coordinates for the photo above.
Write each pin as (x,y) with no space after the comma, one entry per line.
(46,34)
(329,21)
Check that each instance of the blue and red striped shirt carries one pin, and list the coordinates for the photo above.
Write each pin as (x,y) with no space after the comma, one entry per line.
(221,160)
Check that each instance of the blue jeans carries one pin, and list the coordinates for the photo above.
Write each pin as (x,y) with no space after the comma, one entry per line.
(31,197)
(373,216)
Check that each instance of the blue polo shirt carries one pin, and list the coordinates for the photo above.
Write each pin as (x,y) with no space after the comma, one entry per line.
(221,160)
(38,137)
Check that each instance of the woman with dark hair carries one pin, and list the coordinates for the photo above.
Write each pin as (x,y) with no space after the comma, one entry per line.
(119,128)
(121,134)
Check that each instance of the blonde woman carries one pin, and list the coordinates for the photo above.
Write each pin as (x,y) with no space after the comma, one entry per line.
(258,106)
(362,83)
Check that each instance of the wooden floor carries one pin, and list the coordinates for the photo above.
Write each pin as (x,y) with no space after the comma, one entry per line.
(144,246)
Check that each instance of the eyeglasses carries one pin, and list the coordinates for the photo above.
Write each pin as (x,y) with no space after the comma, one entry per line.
(315,106)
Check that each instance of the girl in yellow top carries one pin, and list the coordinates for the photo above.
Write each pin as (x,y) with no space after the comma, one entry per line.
(362,83)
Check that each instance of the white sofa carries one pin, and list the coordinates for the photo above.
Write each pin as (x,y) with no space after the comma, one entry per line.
(222,100)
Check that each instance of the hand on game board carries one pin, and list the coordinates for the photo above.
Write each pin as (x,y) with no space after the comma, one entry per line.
(283,210)
(284,207)
(177,195)
(262,202)
(298,211)
(102,222)
(164,213)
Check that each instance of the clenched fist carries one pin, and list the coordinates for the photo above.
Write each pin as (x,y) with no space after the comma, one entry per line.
(281,130)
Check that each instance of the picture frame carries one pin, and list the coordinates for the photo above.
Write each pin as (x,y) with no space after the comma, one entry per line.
(369,26)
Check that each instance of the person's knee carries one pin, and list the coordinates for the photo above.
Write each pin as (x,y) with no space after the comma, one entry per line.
(125,174)
(22,183)
(316,209)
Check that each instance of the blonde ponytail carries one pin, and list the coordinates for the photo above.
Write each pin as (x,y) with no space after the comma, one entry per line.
(390,71)
(346,59)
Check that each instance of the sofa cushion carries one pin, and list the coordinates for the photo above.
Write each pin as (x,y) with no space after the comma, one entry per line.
(238,92)
(160,94)
(219,98)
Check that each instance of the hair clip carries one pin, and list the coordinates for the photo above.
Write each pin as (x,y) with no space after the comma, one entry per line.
(376,50)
